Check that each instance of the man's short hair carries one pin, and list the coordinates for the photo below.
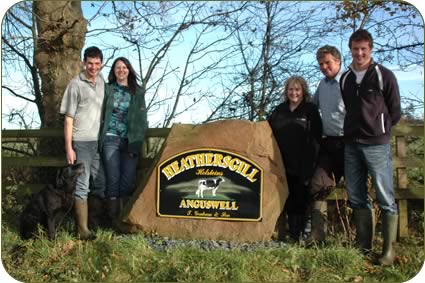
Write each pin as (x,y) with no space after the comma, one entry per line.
(93,52)
(361,35)
(328,49)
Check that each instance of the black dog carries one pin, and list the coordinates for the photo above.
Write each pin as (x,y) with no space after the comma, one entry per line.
(50,206)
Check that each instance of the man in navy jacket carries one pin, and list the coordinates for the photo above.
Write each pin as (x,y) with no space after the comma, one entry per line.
(372,101)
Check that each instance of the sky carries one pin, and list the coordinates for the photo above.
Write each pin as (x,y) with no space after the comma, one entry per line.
(411,83)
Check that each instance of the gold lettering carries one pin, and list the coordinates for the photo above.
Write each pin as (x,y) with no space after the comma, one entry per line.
(183,204)
(229,162)
(184,165)
(241,165)
(199,160)
(214,204)
(190,159)
(168,172)
(234,163)
(204,214)
(175,166)
(245,169)
(251,176)
(190,203)
(196,204)
(234,206)
(208,172)
(208,159)
(209,204)
(225,205)
(217,160)
(226,161)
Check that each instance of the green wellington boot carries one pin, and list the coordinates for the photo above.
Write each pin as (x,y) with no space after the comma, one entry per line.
(389,233)
(81,213)
(365,229)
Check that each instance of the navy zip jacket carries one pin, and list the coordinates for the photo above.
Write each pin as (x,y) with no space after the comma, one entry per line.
(372,107)
(298,134)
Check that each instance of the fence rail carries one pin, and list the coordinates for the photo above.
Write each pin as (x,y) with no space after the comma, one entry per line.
(404,190)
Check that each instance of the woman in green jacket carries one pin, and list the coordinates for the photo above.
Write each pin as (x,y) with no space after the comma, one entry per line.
(122,133)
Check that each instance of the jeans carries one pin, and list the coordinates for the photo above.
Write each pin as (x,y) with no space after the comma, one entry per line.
(120,167)
(93,177)
(376,160)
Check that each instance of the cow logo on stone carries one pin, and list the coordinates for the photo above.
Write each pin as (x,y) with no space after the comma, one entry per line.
(210,184)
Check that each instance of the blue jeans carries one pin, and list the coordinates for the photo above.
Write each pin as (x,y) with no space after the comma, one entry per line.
(93,177)
(120,167)
(361,160)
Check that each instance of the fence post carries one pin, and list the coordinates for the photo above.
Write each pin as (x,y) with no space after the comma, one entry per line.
(402,183)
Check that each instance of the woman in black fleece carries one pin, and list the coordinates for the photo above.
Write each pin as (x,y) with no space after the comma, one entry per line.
(297,127)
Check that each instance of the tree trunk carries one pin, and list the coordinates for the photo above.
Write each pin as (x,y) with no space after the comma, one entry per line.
(61,31)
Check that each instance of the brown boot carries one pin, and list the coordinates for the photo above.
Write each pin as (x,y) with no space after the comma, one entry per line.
(81,211)
(318,223)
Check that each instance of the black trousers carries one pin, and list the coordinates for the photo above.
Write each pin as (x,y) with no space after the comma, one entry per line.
(298,198)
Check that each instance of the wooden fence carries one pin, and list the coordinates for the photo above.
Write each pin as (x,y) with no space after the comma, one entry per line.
(402,161)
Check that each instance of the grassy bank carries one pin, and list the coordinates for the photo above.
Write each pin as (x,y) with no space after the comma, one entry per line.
(130,258)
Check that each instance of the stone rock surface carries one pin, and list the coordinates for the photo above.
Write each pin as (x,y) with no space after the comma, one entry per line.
(253,140)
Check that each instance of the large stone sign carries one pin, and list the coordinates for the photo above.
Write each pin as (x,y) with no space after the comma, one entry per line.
(223,180)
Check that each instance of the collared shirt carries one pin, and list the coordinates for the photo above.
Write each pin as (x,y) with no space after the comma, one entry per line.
(82,101)
(328,99)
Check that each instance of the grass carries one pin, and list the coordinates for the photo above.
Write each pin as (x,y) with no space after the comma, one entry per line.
(129,258)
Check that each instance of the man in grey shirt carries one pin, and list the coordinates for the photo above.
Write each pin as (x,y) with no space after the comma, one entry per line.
(82,107)
(330,167)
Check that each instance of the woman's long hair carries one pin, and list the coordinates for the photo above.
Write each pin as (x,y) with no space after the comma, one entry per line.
(304,86)
(132,76)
